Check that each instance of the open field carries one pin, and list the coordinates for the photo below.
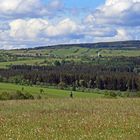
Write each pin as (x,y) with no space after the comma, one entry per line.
(49,55)
(20,62)
(48,93)
(70,119)
(78,51)
(106,74)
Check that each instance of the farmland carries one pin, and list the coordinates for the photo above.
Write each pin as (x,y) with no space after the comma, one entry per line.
(48,55)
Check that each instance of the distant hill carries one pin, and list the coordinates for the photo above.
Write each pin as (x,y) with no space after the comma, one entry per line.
(113,45)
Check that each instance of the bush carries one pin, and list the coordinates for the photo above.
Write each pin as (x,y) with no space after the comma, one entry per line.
(38,97)
(28,96)
(138,94)
(73,88)
(111,94)
(5,96)
(15,96)
(62,85)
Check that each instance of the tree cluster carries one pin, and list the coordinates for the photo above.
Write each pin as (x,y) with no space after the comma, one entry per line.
(82,75)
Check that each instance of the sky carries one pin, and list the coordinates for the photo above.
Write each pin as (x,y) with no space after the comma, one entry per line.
(33,23)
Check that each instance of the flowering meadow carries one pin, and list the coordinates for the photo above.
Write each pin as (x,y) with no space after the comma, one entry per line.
(70,119)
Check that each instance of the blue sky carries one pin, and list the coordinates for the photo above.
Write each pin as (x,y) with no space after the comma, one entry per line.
(32,23)
(83,3)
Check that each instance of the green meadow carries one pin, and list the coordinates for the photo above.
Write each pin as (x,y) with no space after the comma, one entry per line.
(47,92)
(89,115)
(70,119)
(49,56)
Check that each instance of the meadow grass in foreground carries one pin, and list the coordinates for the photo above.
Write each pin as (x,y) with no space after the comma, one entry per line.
(70,119)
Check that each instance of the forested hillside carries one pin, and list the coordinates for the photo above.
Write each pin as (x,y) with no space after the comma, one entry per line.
(117,45)
(105,66)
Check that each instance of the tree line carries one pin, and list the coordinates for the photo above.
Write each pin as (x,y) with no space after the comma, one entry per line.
(75,75)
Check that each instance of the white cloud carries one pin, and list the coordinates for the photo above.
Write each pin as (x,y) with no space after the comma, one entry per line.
(27,29)
(38,28)
(28,8)
(121,34)
(31,23)
(64,27)
(117,12)
(18,8)
(55,4)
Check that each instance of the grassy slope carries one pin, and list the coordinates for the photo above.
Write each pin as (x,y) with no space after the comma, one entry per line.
(47,92)
(77,51)
(70,119)
(28,62)
(64,52)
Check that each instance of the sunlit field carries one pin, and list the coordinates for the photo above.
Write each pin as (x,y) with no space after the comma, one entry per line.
(48,92)
(49,56)
(70,119)
(69,69)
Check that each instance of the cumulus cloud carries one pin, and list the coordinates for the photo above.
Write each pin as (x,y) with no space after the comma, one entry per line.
(121,34)
(55,4)
(118,12)
(28,8)
(115,20)
(65,27)
(27,29)
(18,8)
(32,23)
(41,28)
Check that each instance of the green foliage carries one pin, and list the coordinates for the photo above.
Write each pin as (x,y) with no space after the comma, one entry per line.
(41,91)
(73,88)
(82,83)
(5,96)
(110,94)
(1,78)
(62,85)
(49,92)
(18,95)
(57,63)
(16,79)
(38,97)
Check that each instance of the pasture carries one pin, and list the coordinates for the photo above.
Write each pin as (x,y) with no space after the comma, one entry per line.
(49,55)
(47,92)
(78,51)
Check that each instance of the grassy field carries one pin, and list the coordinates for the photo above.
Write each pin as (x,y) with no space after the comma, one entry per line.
(20,62)
(50,55)
(50,93)
(70,119)
(88,116)
(77,51)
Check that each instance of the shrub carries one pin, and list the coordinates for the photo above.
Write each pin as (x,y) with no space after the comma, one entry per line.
(28,96)
(73,88)
(111,94)
(5,96)
(38,97)
(18,95)
(62,85)
(138,94)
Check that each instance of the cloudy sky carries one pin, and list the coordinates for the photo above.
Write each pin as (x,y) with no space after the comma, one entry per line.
(31,23)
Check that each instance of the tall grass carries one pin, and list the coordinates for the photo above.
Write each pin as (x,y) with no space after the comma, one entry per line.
(70,119)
